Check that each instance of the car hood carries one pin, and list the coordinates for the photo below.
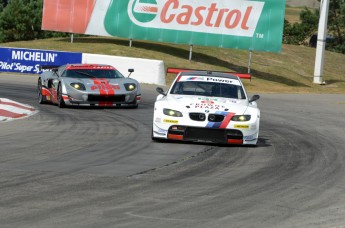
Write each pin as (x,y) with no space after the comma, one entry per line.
(206,104)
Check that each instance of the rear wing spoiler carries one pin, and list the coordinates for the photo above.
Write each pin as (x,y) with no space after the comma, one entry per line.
(178,70)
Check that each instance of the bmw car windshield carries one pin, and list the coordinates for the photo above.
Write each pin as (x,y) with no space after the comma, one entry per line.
(212,89)
(92,73)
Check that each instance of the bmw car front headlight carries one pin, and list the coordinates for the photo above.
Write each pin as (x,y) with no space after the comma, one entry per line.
(170,112)
(130,86)
(241,118)
(78,86)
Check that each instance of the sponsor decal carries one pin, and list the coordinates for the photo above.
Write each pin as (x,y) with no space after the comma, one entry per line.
(207,99)
(160,131)
(222,80)
(45,92)
(29,60)
(242,126)
(52,94)
(145,10)
(207,102)
(250,137)
(243,24)
(19,67)
(170,121)
(217,17)
(209,79)
(224,123)
(195,79)
(65,98)
(105,89)
(190,78)
(37,56)
(207,106)
(105,86)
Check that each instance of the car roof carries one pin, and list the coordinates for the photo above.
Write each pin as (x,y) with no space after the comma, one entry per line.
(89,66)
(209,74)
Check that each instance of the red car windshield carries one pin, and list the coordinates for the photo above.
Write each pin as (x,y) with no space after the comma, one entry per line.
(92,73)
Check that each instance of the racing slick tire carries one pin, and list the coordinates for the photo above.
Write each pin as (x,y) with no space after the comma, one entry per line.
(61,102)
(40,97)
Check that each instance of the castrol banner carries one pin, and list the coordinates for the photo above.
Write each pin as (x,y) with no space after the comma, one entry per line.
(243,24)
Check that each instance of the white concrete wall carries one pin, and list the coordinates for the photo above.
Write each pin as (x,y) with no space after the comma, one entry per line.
(145,70)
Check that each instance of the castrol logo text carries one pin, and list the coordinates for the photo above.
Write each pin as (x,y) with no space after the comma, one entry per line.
(238,17)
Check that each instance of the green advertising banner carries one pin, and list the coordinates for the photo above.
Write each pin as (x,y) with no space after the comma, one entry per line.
(250,25)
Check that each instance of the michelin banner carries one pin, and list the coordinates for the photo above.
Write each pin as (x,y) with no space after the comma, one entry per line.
(242,24)
(28,61)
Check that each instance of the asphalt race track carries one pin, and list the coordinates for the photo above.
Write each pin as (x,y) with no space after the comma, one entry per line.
(99,168)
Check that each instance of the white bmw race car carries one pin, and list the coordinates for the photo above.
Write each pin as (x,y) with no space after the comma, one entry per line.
(204,106)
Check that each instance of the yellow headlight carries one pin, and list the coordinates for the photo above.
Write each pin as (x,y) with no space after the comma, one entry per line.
(170,112)
(131,87)
(77,86)
(242,118)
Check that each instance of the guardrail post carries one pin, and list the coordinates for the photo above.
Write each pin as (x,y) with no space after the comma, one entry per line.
(250,60)
(190,52)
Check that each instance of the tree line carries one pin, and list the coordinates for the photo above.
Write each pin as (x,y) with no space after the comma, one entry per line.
(21,20)
(301,33)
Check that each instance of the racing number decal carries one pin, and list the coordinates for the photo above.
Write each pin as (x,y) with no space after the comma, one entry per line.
(105,89)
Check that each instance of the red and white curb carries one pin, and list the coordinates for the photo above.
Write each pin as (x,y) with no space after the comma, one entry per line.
(10,110)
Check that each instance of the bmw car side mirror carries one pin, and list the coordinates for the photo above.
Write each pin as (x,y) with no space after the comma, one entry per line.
(160,91)
(130,71)
(254,98)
